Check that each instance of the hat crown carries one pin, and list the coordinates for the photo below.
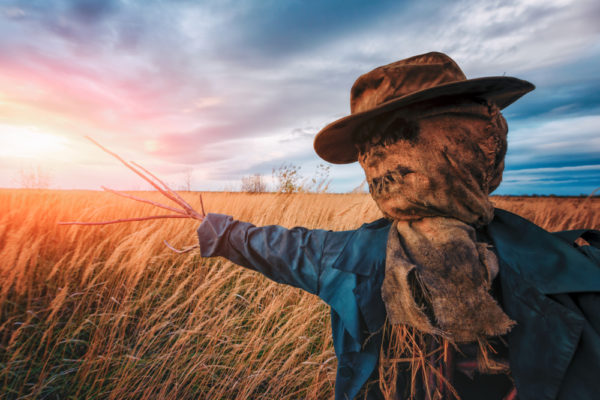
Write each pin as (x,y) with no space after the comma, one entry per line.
(402,78)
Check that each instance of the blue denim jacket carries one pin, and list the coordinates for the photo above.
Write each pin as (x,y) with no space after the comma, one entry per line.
(549,287)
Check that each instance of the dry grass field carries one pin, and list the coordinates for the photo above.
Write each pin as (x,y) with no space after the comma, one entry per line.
(110,312)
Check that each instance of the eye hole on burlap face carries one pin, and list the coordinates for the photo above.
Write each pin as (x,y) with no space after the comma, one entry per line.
(383,131)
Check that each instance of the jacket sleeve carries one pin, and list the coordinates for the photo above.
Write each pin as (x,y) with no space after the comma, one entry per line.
(291,256)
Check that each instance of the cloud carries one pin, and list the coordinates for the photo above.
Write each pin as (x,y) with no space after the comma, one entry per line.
(236,87)
(576,180)
(93,11)
(554,143)
(553,157)
(272,31)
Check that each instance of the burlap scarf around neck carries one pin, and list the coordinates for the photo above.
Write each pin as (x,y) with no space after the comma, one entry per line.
(432,176)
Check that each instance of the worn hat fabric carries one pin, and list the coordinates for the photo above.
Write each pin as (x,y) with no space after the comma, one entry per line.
(402,83)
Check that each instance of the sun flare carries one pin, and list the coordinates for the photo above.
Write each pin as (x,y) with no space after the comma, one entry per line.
(29,142)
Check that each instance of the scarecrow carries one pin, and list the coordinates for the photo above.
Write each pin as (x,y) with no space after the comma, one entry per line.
(446,296)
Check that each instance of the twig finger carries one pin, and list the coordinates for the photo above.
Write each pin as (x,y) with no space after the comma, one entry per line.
(116,221)
(144,177)
(179,200)
(122,194)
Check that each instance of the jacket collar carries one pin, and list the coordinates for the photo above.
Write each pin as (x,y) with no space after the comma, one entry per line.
(540,258)
(536,265)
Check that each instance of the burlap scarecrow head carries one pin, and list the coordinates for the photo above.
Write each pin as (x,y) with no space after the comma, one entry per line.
(432,145)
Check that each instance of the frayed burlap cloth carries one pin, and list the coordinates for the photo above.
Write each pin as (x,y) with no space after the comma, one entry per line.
(437,279)
(433,179)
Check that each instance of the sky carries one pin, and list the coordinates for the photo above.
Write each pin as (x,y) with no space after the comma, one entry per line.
(212,91)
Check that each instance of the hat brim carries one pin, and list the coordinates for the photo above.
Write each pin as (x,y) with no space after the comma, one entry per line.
(335,144)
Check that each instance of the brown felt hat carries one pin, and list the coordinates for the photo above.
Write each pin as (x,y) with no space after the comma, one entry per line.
(407,82)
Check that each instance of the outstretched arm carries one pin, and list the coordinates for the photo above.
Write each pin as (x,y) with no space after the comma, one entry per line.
(292,256)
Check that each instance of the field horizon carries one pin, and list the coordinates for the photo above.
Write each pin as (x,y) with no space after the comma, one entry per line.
(109,312)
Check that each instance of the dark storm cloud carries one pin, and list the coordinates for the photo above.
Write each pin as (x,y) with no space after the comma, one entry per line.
(569,89)
(271,30)
(92,11)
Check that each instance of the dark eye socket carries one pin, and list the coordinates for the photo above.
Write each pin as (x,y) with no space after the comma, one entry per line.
(400,128)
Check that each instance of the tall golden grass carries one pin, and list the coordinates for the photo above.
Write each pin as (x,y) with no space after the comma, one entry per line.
(110,312)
